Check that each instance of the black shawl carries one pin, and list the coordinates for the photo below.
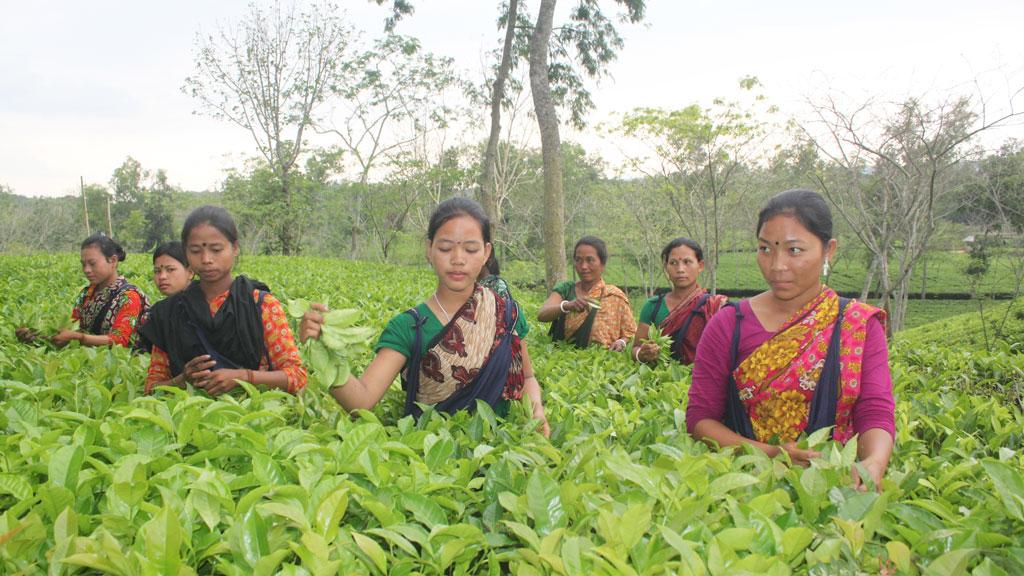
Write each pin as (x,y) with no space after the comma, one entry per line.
(182,326)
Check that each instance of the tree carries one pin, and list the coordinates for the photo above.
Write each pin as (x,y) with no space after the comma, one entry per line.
(888,175)
(269,75)
(696,154)
(157,212)
(252,194)
(488,193)
(390,98)
(595,41)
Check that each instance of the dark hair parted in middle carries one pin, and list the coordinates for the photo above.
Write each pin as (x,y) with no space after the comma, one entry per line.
(595,243)
(808,207)
(681,241)
(173,249)
(454,207)
(106,245)
(215,216)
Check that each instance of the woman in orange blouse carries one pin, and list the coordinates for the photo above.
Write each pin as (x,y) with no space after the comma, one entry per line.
(589,311)
(222,328)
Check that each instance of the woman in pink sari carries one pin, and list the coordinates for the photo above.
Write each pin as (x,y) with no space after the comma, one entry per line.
(773,367)
(683,312)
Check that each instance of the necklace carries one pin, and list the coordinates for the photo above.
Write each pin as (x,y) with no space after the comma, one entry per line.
(447,316)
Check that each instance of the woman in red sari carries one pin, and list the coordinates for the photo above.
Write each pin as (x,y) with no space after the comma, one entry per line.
(682,313)
(797,357)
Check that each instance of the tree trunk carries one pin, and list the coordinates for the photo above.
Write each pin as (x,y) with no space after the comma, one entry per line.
(885,302)
(868,278)
(547,122)
(110,223)
(85,206)
(287,225)
(924,277)
(488,194)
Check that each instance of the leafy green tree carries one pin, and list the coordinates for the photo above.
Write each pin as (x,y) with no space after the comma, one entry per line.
(254,193)
(158,213)
(694,154)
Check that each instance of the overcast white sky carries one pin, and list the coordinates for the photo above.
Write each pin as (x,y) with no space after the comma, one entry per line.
(85,84)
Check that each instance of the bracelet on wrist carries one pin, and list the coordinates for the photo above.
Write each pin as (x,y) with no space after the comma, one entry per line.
(561,306)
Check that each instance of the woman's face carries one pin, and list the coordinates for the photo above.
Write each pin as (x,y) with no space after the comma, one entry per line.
(791,257)
(210,254)
(98,269)
(458,253)
(169,275)
(587,263)
(683,267)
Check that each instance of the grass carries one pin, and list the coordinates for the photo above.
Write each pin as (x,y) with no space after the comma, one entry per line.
(1003,323)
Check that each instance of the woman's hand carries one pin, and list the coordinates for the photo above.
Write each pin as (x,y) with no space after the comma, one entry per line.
(617,346)
(538,414)
(198,369)
(65,336)
(26,335)
(875,470)
(648,352)
(577,305)
(799,456)
(312,322)
(221,381)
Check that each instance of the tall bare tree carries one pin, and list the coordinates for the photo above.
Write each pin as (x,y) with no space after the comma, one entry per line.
(391,95)
(488,193)
(888,175)
(268,74)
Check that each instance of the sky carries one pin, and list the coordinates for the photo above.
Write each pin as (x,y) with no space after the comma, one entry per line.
(83,85)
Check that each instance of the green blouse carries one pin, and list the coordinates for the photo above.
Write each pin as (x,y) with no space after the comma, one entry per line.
(400,333)
(651,317)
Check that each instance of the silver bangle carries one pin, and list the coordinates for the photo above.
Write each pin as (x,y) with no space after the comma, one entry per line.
(636,354)
(561,306)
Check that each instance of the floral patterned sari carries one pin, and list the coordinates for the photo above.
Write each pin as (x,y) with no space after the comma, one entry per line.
(777,382)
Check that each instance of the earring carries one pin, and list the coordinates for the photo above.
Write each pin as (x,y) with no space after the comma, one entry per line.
(824,269)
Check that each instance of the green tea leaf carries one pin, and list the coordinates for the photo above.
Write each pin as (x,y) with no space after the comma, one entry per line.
(544,503)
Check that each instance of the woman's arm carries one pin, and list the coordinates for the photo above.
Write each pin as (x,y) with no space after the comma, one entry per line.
(874,418)
(874,449)
(555,306)
(531,387)
(65,336)
(715,433)
(289,374)
(364,392)
(159,372)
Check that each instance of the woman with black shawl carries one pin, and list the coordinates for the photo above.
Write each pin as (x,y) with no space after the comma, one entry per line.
(221,328)
(462,345)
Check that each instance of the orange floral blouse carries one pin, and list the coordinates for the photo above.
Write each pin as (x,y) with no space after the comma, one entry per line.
(277,339)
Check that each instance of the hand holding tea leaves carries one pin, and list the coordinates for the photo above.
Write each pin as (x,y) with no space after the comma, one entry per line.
(657,347)
(330,339)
